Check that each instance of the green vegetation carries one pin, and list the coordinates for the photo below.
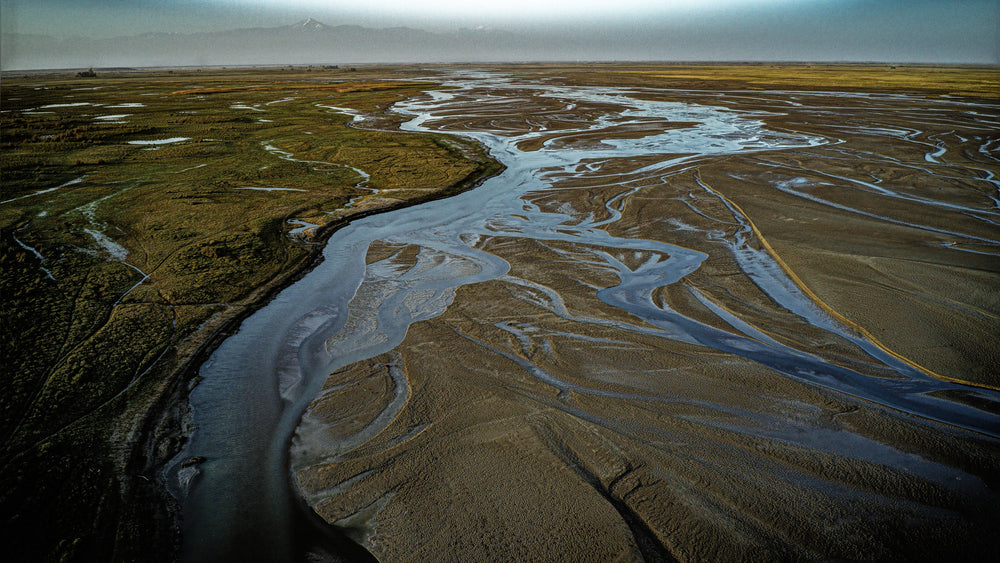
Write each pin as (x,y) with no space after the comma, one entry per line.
(121,261)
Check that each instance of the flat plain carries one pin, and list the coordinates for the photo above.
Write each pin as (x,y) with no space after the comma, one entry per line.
(821,385)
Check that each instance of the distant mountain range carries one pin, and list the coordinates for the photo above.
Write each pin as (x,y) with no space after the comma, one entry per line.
(313,42)
(305,42)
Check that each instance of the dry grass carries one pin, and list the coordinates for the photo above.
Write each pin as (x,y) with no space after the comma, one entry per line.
(944,80)
(340,87)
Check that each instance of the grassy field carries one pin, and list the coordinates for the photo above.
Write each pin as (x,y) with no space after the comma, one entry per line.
(141,214)
(979,81)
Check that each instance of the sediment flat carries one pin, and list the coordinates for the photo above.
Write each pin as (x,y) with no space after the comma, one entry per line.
(775,343)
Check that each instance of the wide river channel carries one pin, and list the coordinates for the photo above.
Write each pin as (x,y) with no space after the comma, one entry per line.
(255,388)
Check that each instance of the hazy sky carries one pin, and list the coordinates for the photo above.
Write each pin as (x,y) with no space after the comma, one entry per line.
(932,30)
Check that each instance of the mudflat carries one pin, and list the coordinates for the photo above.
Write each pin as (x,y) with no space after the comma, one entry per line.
(764,330)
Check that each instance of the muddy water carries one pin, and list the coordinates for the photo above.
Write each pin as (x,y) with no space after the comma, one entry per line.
(576,159)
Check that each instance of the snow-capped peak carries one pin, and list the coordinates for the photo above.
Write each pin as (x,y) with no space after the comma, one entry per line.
(310,24)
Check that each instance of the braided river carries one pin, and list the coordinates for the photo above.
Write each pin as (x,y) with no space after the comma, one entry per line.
(612,339)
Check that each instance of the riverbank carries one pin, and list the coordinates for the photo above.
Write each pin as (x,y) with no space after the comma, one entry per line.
(172,425)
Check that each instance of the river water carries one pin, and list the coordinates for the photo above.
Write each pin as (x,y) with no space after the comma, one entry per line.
(257,385)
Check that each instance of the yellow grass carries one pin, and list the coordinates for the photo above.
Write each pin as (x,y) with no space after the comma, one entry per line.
(961,81)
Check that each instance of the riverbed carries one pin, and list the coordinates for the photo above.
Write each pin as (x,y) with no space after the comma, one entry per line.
(658,333)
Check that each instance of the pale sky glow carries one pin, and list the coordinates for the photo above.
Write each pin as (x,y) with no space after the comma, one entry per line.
(961,31)
(531,6)
(517,13)
(519,9)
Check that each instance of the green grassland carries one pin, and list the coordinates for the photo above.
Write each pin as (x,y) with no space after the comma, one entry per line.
(120,262)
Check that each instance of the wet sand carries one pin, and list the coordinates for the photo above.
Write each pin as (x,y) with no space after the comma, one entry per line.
(768,336)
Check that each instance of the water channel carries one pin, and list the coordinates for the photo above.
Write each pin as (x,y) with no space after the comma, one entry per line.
(257,385)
